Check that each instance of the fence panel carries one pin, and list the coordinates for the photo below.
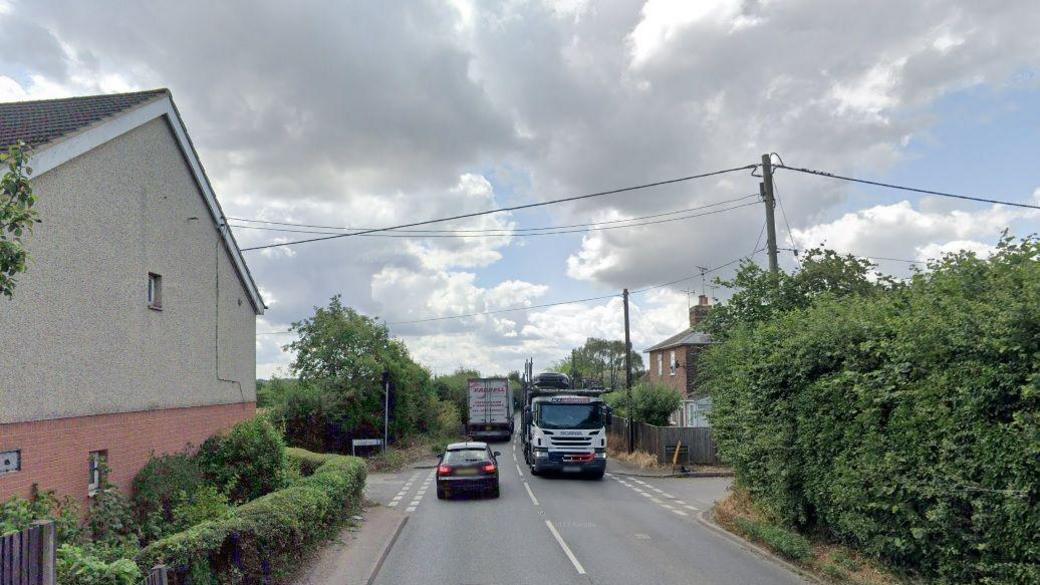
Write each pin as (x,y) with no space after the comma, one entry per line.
(696,445)
(27,556)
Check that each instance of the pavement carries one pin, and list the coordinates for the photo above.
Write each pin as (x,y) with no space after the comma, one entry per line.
(620,530)
(355,556)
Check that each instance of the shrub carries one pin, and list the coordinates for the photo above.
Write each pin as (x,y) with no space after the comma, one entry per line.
(204,504)
(268,535)
(111,518)
(903,423)
(157,487)
(75,566)
(446,419)
(18,514)
(248,462)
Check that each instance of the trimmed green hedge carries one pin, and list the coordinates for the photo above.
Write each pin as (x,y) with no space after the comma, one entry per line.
(268,535)
(905,424)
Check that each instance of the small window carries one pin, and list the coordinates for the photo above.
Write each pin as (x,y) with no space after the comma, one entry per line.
(660,364)
(96,465)
(10,461)
(672,364)
(154,291)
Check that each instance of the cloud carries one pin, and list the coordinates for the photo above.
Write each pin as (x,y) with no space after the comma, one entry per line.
(930,230)
(372,114)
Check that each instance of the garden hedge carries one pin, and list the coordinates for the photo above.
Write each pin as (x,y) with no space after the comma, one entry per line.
(266,537)
(905,424)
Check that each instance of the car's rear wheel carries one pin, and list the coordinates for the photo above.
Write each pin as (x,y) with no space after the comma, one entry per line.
(494,492)
(595,474)
(442,494)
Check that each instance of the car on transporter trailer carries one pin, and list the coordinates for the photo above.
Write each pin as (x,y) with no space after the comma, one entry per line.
(467,468)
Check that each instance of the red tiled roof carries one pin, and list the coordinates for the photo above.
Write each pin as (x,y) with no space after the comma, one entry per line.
(42,121)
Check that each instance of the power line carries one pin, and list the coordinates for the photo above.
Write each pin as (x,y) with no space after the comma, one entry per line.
(905,188)
(701,273)
(493,234)
(513,208)
(460,230)
(546,305)
(510,309)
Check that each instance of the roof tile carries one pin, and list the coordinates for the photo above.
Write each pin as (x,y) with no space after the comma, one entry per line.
(42,121)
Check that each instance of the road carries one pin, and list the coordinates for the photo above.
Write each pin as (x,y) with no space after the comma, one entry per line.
(559,531)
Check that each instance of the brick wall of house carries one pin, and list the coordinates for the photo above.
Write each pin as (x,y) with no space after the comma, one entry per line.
(54,453)
(678,381)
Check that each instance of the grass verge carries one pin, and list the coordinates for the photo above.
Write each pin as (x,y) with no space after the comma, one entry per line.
(828,561)
(408,452)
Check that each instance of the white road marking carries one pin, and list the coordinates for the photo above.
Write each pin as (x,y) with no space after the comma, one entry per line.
(566,549)
(534,500)
(679,512)
(518,471)
(655,500)
(392,504)
(669,496)
(667,506)
(656,490)
(689,507)
(410,509)
(639,481)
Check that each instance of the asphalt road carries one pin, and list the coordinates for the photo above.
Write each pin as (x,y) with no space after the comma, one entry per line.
(548,531)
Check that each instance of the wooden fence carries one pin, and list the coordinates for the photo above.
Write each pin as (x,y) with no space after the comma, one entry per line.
(696,445)
(28,557)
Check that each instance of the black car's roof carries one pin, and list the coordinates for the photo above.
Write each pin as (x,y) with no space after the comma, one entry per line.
(468,445)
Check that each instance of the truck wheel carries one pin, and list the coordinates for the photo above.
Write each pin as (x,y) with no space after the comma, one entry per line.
(535,470)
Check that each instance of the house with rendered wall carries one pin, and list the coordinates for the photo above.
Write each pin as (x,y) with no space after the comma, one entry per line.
(673,362)
(133,330)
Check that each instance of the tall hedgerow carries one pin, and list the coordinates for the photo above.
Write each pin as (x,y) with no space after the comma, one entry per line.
(905,422)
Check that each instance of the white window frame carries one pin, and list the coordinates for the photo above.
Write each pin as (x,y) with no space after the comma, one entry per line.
(660,364)
(672,364)
(94,462)
(155,291)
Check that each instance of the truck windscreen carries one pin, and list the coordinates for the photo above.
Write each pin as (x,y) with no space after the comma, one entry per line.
(570,416)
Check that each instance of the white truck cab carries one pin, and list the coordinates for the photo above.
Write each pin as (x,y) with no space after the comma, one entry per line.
(564,430)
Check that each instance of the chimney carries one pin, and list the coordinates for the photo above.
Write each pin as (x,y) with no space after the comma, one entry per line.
(699,311)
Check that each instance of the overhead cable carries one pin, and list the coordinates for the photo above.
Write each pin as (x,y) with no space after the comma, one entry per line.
(513,208)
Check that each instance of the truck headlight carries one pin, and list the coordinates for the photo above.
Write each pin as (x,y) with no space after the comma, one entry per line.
(601,455)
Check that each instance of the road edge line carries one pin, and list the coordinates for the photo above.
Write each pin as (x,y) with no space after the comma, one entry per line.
(566,549)
(704,517)
(386,552)
(534,500)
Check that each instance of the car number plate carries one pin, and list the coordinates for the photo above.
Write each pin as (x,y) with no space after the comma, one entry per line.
(571,468)
(467,472)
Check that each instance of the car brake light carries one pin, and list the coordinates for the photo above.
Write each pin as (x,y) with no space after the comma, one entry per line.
(443,470)
(490,468)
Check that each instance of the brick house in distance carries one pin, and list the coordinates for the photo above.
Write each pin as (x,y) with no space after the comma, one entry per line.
(673,362)
(133,330)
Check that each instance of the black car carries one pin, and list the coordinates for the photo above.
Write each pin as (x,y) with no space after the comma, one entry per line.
(467,468)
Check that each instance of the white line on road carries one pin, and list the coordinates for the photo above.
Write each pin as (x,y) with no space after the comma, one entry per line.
(518,471)
(679,512)
(566,549)
(689,507)
(534,500)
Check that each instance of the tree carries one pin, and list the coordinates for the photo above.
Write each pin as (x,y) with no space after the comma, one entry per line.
(17,217)
(654,403)
(760,295)
(343,354)
(599,361)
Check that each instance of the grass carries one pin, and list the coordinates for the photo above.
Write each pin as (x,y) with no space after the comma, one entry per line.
(829,561)
(640,459)
(406,453)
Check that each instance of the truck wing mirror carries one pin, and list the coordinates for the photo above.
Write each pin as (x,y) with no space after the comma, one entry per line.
(498,453)
(610,415)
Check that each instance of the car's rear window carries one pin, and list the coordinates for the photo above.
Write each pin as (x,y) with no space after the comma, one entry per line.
(465,456)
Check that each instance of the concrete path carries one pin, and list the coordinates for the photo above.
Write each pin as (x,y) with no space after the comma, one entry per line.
(358,552)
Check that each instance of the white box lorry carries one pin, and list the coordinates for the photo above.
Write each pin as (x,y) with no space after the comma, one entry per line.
(490,409)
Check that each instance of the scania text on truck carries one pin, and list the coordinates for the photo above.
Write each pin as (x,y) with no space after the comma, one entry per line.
(490,409)
(564,429)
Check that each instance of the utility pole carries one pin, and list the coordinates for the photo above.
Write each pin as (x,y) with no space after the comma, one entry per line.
(766,190)
(386,408)
(628,379)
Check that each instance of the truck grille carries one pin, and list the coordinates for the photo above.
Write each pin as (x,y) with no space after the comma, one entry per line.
(570,441)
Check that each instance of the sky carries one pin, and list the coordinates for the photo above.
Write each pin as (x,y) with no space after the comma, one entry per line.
(368,114)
